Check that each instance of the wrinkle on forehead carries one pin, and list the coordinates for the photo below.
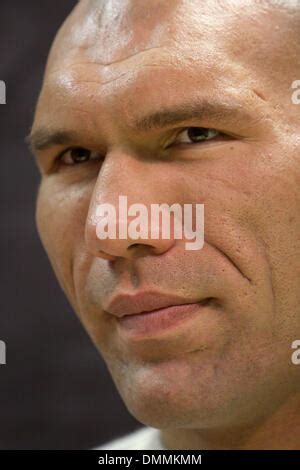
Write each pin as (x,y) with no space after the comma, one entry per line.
(121,36)
(114,43)
(109,32)
(115,30)
(119,30)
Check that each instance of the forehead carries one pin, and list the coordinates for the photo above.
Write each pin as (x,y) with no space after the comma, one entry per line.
(124,53)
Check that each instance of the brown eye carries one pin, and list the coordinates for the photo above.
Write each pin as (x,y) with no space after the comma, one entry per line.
(193,135)
(78,155)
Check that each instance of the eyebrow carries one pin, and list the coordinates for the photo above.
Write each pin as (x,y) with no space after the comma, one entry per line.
(43,138)
(191,110)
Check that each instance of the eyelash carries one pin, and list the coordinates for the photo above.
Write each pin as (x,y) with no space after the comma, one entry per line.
(78,149)
(211,134)
(208,134)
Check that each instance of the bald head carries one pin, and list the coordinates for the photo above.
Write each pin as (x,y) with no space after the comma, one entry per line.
(116,23)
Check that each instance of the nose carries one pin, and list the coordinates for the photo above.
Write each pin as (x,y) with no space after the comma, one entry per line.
(119,223)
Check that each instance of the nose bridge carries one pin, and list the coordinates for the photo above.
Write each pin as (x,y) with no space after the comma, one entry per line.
(124,184)
(124,174)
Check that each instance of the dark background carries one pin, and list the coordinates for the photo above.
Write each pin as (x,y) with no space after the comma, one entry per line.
(55,391)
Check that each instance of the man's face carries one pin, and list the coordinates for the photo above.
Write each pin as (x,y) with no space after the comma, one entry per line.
(113,64)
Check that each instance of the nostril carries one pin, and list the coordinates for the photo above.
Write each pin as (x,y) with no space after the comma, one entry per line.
(136,250)
(140,245)
(134,245)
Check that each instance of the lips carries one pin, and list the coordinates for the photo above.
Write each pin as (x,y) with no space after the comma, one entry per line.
(142,302)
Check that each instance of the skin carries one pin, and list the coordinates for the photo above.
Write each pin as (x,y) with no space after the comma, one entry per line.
(225,380)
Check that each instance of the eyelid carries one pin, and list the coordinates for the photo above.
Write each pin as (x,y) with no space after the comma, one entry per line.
(186,128)
(209,129)
(60,156)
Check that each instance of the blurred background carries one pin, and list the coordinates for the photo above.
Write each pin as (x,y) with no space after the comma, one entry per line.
(55,391)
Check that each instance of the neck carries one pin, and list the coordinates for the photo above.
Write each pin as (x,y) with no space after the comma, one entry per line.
(281,430)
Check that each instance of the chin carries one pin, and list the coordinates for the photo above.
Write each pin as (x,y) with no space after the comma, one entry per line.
(169,395)
(196,392)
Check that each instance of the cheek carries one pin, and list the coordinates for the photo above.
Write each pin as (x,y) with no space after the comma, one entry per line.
(60,217)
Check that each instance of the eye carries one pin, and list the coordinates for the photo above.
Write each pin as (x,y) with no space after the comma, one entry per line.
(77,155)
(193,135)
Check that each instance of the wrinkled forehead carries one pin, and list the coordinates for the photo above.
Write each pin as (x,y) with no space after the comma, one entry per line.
(112,30)
(109,31)
(127,46)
